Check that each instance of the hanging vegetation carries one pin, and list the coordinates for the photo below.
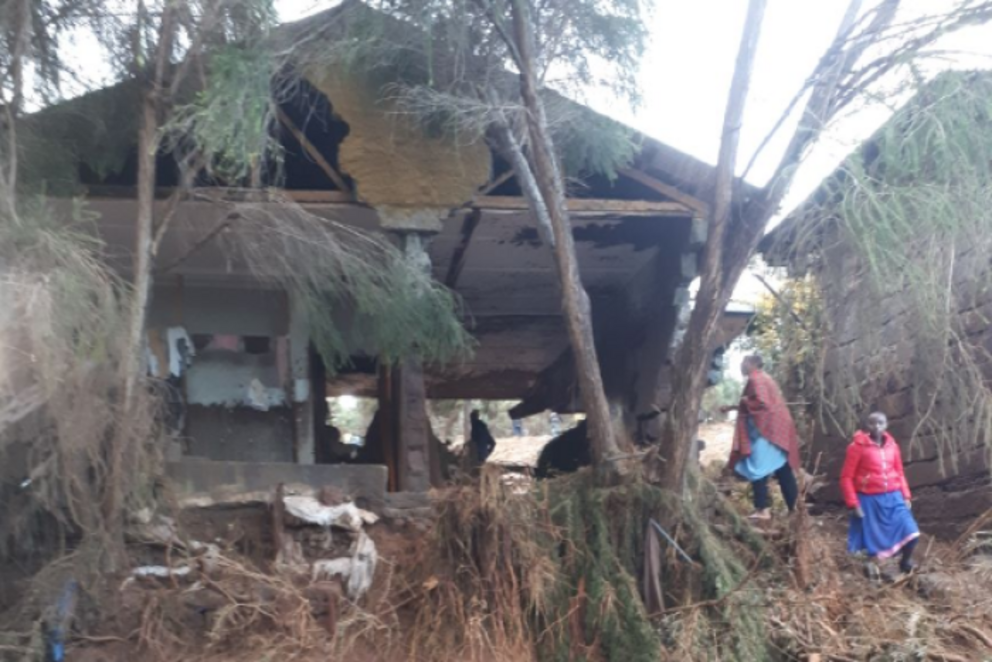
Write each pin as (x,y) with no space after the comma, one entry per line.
(357,289)
(446,64)
(63,308)
(230,123)
(899,243)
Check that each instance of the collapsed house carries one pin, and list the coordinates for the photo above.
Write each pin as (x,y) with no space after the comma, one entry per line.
(915,347)
(238,354)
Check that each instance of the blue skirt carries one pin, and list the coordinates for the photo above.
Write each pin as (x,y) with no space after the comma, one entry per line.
(765,459)
(886,527)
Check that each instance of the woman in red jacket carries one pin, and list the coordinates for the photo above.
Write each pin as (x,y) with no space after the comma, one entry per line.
(876,491)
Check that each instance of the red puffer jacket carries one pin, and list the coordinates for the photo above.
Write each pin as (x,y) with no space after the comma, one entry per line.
(872,469)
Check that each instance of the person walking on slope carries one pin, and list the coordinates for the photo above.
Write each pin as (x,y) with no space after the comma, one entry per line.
(876,491)
(765,439)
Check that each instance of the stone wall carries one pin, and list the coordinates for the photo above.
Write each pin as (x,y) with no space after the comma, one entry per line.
(950,488)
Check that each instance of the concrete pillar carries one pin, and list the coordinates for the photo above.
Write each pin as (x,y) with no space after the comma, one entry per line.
(300,389)
(412,427)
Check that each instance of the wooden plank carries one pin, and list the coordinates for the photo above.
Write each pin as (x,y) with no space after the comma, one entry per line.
(667,190)
(469,225)
(387,421)
(229,194)
(312,150)
(513,203)
(317,197)
(328,197)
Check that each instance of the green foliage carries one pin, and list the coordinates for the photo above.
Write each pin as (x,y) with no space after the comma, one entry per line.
(64,311)
(590,143)
(603,543)
(549,572)
(359,292)
(735,629)
(230,122)
(723,394)
(447,63)
(791,348)
(97,130)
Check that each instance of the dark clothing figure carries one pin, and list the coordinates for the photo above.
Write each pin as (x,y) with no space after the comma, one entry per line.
(327,446)
(482,438)
(565,454)
(786,480)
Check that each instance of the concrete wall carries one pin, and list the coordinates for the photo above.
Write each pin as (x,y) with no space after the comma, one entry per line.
(247,312)
(239,404)
(240,434)
(232,481)
(220,378)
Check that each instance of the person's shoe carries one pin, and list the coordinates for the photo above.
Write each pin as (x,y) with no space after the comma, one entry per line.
(760,515)
(907,566)
(872,572)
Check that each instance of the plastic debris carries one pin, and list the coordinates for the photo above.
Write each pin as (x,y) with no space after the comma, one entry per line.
(344,516)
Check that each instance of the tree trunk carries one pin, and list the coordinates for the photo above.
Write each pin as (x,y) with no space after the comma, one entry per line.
(729,248)
(12,109)
(143,249)
(718,279)
(578,314)
(132,364)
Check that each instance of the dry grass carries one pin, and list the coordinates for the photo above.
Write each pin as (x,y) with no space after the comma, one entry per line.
(507,577)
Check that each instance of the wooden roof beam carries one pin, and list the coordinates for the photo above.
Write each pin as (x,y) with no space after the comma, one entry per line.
(514,203)
(312,150)
(332,198)
(641,177)
(497,182)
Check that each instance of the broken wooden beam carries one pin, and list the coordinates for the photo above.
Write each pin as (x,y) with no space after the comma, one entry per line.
(667,190)
(312,151)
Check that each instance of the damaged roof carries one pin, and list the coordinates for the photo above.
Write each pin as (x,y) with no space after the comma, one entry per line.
(650,220)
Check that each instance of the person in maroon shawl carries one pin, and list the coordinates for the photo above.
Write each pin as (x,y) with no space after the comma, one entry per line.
(765,439)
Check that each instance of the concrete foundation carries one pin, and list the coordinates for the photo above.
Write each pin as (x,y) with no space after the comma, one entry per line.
(240,433)
(220,482)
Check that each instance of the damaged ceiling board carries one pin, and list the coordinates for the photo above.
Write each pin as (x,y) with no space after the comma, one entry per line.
(410,177)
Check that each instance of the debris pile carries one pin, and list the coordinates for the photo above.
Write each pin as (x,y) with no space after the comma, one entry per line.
(294,515)
(200,598)
(555,572)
